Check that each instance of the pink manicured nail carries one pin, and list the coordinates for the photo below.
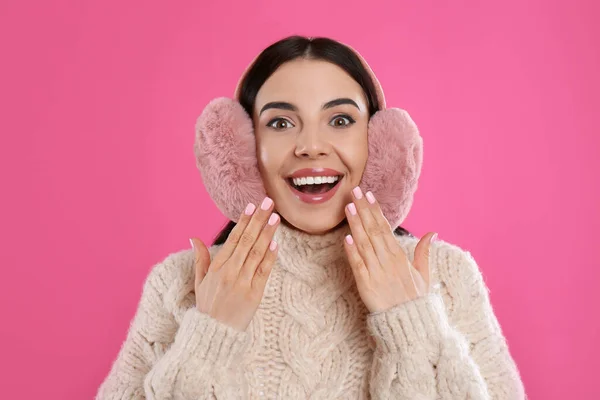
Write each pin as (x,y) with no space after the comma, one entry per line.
(352,208)
(349,239)
(273,245)
(273,219)
(357,193)
(267,202)
(433,238)
(370,198)
(250,209)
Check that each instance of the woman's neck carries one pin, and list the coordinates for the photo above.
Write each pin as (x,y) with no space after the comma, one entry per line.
(314,258)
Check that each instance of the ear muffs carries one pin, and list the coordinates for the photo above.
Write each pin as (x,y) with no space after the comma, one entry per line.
(225,150)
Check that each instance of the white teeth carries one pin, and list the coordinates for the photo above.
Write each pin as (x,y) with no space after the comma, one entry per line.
(315,180)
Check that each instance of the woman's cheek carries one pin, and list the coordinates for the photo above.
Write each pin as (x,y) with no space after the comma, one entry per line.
(270,161)
(353,151)
(264,158)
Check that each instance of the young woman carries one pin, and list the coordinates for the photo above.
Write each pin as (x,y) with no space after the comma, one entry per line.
(308,292)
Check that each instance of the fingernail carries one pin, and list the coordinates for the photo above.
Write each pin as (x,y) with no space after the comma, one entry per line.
(370,198)
(250,209)
(273,219)
(352,208)
(267,202)
(349,239)
(433,238)
(357,193)
(192,244)
(273,245)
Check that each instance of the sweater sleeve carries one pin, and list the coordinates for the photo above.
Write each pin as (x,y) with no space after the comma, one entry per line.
(446,345)
(163,359)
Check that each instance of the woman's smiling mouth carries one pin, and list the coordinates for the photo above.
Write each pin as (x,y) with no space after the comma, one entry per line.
(314,185)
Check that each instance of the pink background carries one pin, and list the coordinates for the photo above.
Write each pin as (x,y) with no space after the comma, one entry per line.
(99,99)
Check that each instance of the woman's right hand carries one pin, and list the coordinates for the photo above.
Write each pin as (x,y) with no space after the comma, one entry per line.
(231,287)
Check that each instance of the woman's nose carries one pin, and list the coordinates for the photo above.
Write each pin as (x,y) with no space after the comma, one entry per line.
(311,144)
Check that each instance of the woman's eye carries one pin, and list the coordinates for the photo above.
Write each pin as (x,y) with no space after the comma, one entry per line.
(341,121)
(280,124)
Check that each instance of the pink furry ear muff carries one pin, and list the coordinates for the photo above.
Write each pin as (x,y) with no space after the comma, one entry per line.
(225,150)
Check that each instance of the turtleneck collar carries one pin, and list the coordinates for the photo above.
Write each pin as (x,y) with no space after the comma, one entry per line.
(314,259)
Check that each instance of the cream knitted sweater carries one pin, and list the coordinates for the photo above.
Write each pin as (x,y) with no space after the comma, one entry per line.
(312,336)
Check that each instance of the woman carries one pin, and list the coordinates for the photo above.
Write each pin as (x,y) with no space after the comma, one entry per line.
(320,299)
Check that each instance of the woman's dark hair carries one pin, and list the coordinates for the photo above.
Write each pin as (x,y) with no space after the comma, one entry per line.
(289,49)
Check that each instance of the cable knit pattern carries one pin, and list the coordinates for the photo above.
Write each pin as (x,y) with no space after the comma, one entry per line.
(313,338)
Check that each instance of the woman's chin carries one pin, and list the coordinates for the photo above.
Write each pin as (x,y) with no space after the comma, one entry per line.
(312,218)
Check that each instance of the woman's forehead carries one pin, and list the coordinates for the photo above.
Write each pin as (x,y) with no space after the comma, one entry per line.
(309,82)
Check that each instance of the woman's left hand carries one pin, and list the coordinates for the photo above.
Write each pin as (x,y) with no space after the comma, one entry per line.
(384,275)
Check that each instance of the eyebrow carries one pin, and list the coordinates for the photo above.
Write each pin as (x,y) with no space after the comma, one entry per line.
(282,105)
(339,102)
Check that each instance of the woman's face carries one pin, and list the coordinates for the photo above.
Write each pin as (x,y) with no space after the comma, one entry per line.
(310,119)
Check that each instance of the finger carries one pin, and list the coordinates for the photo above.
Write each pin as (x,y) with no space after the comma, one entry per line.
(422,251)
(264,268)
(374,232)
(246,240)
(258,251)
(380,219)
(357,264)
(201,260)
(361,240)
(234,236)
